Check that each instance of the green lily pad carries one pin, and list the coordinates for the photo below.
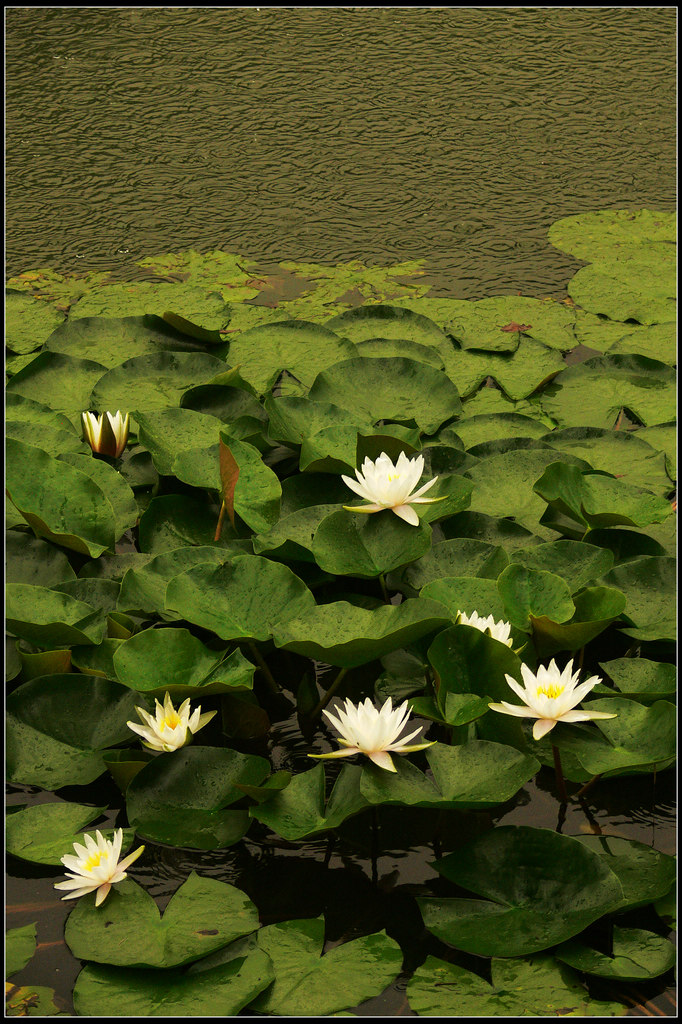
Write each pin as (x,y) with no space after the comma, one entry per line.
(518,373)
(497,324)
(577,563)
(298,810)
(595,609)
(636,955)
(118,493)
(166,433)
(638,283)
(489,529)
(179,520)
(381,321)
(351,544)
(64,383)
(468,661)
(59,501)
(467,594)
(302,348)
(382,348)
(595,235)
(645,874)
(649,585)
(593,393)
(619,453)
(225,272)
(43,833)
(151,382)
(58,726)
(663,437)
(659,341)
(472,776)
(31,560)
(46,617)
(539,888)
(295,419)
(112,338)
(205,311)
(221,991)
(29,322)
(532,593)
(641,679)
(203,915)
(503,485)
(594,500)
(171,660)
(180,798)
(143,588)
(291,539)
(314,985)
(345,635)
(20,945)
(639,737)
(30,1001)
(247,598)
(474,430)
(536,986)
(456,557)
(392,389)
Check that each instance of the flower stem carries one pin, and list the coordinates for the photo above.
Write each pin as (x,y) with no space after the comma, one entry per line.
(269,678)
(561,785)
(317,710)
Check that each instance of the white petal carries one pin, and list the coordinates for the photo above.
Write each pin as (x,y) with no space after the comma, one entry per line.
(407,513)
(542,727)
(382,759)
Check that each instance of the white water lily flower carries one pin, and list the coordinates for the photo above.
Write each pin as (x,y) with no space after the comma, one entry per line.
(96,866)
(550,696)
(365,730)
(389,486)
(498,630)
(106,434)
(169,729)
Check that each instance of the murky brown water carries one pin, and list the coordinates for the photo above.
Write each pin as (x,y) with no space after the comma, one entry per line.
(452,135)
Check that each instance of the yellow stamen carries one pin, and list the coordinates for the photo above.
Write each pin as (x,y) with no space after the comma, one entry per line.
(170,721)
(551,690)
(94,860)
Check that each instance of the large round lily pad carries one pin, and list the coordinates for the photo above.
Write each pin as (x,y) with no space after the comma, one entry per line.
(538,888)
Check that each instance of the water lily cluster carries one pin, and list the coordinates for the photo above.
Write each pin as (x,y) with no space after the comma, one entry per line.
(221,650)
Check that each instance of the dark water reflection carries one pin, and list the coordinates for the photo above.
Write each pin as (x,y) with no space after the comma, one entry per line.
(452,135)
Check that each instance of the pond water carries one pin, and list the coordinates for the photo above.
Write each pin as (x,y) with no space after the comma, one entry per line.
(454,136)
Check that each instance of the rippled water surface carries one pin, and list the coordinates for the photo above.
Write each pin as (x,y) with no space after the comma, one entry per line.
(451,135)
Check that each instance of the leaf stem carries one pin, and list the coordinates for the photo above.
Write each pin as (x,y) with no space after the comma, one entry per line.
(589,785)
(561,785)
(220,523)
(317,710)
(382,581)
(269,678)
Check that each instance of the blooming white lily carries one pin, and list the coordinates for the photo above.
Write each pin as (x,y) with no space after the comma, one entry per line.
(106,434)
(498,630)
(96,866)
(550,696)
(365,730)
(168,730)
(389,486)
